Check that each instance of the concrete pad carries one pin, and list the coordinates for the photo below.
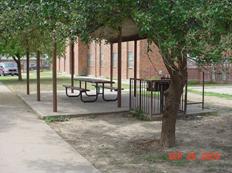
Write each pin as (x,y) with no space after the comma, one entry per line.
(29,145)
(73,106)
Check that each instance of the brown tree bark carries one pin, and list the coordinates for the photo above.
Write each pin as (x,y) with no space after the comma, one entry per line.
(54,72)
(172,104)
(28,70)
(17,59)
(71,45)
(38,74)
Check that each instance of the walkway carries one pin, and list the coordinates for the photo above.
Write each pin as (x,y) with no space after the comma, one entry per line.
(28,145)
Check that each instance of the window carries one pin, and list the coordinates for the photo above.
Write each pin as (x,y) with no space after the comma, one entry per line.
(115,59)
(90,60)
(130,60)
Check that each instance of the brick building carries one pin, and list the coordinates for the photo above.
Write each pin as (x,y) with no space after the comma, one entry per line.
(94,60)
(220,73)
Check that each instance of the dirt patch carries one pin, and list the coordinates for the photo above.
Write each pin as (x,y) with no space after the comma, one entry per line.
(122,144)
(211,101)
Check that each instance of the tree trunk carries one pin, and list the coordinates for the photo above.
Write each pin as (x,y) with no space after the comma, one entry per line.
(17,59)
(172,103)
(54,71)
(28,70)
(38,74)
(71,45)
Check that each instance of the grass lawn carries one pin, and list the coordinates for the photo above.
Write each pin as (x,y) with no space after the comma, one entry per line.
(46,82)
(208,84)
(220,95)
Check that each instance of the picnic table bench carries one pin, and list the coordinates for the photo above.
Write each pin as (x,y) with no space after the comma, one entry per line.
(97,83)
(73,88)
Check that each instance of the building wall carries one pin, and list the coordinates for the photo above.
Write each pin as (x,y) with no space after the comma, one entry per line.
(195,74)
(151,63)
(81,54)
(94,60)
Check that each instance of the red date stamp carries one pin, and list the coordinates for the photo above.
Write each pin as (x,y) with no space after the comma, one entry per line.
(191,156)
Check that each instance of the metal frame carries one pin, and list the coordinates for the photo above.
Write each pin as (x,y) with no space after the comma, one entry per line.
(186,103)
(146,96)
(85,90)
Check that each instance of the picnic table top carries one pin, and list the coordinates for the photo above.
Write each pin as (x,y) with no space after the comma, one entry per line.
(93,80)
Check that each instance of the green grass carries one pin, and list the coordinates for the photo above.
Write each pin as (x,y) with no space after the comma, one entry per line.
(46,82)
(163,157)
(220,95)
(208,84)
(51,119)
(140,115)
(153,158)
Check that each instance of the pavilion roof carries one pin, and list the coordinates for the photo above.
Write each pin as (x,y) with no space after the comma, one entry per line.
(129,29)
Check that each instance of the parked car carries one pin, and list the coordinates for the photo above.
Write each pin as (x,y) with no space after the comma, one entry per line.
(8,68)
(33,67)
(1,70)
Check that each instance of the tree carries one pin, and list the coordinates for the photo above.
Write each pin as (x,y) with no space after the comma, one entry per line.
(55,17)
(29,25)
(10,44)
(178,27)
(40,23)
(12,48)
(181,28)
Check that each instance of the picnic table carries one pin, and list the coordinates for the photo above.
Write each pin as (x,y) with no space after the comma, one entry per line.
(99,84)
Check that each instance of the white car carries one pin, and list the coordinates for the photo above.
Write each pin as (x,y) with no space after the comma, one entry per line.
(8,68)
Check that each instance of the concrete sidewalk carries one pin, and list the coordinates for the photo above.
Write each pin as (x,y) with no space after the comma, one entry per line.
(29,145)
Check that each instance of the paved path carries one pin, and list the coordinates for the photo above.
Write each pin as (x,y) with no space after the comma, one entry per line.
(28,145)
(215,89)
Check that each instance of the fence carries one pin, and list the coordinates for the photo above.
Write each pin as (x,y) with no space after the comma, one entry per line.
(202,102)
(148,96)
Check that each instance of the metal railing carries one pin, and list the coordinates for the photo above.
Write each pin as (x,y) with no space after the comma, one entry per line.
(202,102)
(148,96)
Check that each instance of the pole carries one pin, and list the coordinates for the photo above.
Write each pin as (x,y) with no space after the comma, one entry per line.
(95,59)
(111,64)
(28,71)
(135,67)
(127,62)
(203,90)
(186,95)
(72,62)
(119,67)
(54,75)
(38,74)
(130,94)
(100,59)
